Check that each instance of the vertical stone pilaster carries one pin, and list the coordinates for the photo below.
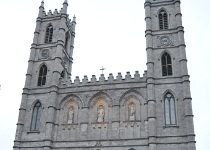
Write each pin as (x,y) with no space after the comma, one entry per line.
(22,110)
(185,80)
(72,46)
(150,80)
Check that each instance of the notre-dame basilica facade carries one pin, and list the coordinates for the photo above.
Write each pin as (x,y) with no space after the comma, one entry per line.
(148,112)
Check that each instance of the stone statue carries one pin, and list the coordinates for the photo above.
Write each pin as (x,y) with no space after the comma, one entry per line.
(71,115)
(132,112)
(101,114)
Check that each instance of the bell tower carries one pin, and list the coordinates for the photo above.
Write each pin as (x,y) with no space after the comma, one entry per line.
(50,62)
(149,112)
(167,73)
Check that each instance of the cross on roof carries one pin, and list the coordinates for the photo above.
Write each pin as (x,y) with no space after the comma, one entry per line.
(103,69)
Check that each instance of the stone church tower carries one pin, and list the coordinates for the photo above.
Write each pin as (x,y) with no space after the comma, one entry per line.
(149,112)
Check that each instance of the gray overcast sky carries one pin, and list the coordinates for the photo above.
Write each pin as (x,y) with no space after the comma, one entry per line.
(109,33)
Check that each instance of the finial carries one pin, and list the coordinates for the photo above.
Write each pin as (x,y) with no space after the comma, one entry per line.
(74,18)
(65,2)
(42,4)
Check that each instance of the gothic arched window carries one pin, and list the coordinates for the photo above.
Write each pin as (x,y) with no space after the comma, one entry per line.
(42,75)
(170,111)
(163,20)
(36,115)
(49,34)
(66,42)
(166,65)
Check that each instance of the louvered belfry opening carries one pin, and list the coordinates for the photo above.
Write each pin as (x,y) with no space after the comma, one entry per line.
(166,65)
(49,34)
(42,75)
(163,20)
(36,115)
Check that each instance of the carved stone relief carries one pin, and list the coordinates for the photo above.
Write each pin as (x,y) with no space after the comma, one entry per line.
(71,115)
(100,111)
(70,112)
(101,114)
(44,54)
(164,41)
(132,109)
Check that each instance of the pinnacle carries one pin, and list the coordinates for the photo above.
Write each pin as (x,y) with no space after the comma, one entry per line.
(42,4)
(74,18)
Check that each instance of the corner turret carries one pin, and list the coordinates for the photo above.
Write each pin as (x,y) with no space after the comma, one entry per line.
(41,9)
(65,6)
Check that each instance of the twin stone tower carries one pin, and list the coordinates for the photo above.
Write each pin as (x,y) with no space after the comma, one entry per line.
(149,112)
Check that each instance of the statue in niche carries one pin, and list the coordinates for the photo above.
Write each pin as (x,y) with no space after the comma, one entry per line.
(70,115)
(101,114)
(132,112)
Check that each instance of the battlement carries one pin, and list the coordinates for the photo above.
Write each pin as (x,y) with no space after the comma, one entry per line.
(43,14)
(52,14)
(102,80)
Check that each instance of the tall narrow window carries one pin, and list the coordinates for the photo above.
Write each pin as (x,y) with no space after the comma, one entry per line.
(163,20)
(166,65)
(170,111)
(49,34)
(42,75)
(66,42)
(62,74)
(36,115)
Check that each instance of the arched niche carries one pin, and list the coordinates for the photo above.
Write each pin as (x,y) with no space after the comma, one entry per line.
(129,98)
(69,109)
(71,97)
(70,115)
(132,109)
(97,96)
(100,111)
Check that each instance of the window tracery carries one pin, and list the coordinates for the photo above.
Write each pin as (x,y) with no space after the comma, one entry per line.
(163,20)
(42,75)
(36,115)
(49,34)
(170,111)
(166,65)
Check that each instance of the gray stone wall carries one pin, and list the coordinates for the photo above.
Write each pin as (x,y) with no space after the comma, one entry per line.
(133,106)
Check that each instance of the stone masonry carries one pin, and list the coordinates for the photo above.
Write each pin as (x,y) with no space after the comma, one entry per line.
(114,113)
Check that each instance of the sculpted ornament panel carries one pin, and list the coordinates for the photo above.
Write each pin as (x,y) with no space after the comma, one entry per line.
(45,53)
(164,40)
(71,115)
(101,114)
(132,112)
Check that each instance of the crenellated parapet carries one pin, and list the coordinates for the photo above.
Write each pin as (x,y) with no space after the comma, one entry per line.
(103,80)
(43,14)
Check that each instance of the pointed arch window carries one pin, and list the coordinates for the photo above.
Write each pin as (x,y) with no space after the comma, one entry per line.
(163,20)
(66,42)
(42,75)
(170,111)
(166,65)
(49,34)
(36,115)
